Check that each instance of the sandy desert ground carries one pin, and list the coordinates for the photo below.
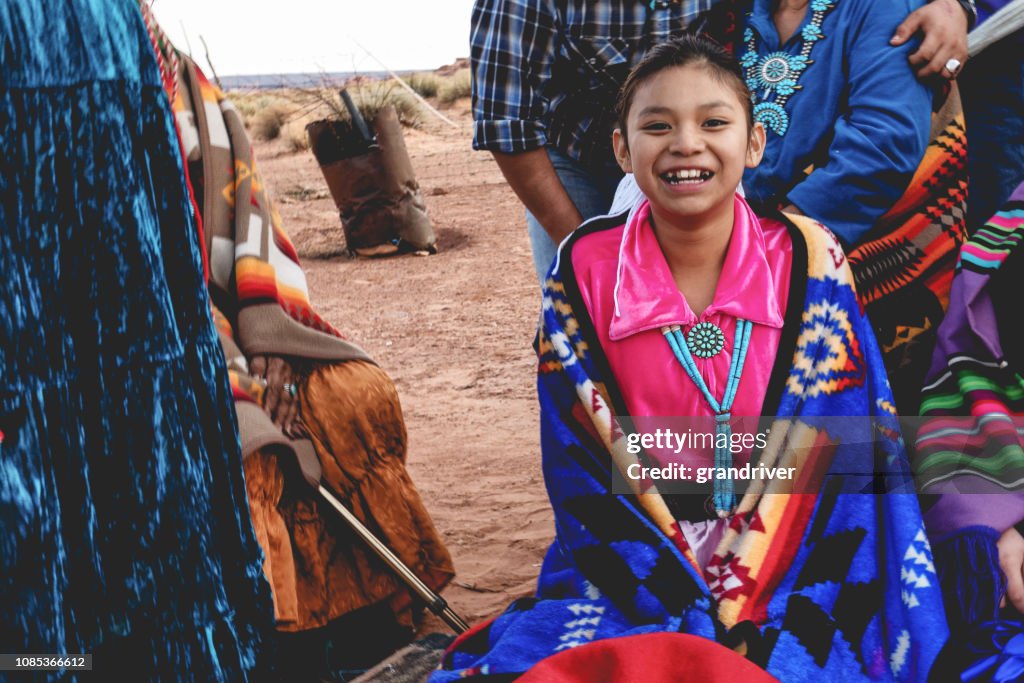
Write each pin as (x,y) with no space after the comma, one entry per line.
(454,330)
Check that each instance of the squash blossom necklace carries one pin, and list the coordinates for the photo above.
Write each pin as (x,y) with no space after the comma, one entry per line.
(773,78)
(706,340)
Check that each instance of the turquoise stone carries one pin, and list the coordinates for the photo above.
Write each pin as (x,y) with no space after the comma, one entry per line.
(705,340)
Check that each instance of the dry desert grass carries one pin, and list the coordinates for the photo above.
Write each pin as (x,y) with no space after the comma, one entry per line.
(285,113)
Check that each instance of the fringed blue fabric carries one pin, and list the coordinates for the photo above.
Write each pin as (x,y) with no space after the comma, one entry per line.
(998,649)
(122,505)
(967,563)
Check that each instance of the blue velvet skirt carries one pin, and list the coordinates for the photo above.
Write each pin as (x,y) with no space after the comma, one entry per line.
(123,515)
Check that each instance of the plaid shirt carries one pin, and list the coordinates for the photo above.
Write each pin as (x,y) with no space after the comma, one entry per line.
(548,72)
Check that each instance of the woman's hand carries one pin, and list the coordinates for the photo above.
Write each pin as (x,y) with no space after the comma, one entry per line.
(280,397)
(1011,560)
(943,26)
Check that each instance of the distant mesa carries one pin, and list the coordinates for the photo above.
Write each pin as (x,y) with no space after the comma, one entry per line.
(322,79)
(451,69)
(318,79)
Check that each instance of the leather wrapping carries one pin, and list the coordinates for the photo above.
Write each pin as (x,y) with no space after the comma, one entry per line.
(377,196)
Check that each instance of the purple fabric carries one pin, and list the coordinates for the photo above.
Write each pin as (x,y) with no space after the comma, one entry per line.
(969,327)
(970,501)
(1018,194)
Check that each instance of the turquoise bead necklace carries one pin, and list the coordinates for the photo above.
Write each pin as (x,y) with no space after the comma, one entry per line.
(724,492)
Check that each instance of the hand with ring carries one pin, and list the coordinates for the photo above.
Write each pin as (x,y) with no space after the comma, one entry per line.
(280,398)
(943,28)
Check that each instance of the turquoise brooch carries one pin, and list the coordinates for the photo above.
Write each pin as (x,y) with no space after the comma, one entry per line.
(705,340)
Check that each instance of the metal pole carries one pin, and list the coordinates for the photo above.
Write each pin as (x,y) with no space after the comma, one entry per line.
(358,122)
(435,603)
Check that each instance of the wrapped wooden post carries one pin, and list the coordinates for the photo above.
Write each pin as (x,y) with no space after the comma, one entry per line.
(373,185)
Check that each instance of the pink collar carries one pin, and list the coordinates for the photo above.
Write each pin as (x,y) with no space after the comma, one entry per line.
(646,296)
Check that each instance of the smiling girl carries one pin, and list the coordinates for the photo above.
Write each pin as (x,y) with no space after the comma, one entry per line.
(697,307)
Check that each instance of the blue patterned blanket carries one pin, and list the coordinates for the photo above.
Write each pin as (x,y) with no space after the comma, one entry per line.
(831,583)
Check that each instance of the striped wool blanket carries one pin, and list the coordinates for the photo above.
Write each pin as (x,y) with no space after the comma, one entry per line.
(904,265)
(969,460)
(826,584)
(252,262)
(253,270)
(972,373)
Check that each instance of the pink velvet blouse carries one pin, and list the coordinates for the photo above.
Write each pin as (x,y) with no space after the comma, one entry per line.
(630,294)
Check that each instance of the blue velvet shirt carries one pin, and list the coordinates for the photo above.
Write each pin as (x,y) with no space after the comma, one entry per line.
(839,96)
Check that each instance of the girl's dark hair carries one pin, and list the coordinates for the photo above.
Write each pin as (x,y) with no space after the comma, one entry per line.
(684,51)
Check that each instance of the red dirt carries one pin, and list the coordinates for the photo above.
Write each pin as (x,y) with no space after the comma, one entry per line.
(454,330)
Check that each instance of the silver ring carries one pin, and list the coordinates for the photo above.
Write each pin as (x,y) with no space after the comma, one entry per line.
(290,388)
(953,65)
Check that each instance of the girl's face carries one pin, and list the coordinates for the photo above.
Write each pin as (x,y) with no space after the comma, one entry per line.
(688,144)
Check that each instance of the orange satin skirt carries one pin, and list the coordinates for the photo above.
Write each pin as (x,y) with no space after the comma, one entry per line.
(317,567)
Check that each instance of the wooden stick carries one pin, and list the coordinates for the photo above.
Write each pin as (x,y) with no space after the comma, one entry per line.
(435,603)
(212,70)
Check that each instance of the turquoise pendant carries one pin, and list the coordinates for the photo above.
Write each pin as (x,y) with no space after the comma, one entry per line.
(705,340)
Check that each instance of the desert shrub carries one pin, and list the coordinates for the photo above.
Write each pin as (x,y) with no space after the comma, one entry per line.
(455,87)
(266,123)
(302,106)
(246,104)
(252,102)
(369,98)
(373,97)
(294,135)
(424,83)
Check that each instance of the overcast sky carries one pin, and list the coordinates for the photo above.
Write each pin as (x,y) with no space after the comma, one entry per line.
(292,36)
